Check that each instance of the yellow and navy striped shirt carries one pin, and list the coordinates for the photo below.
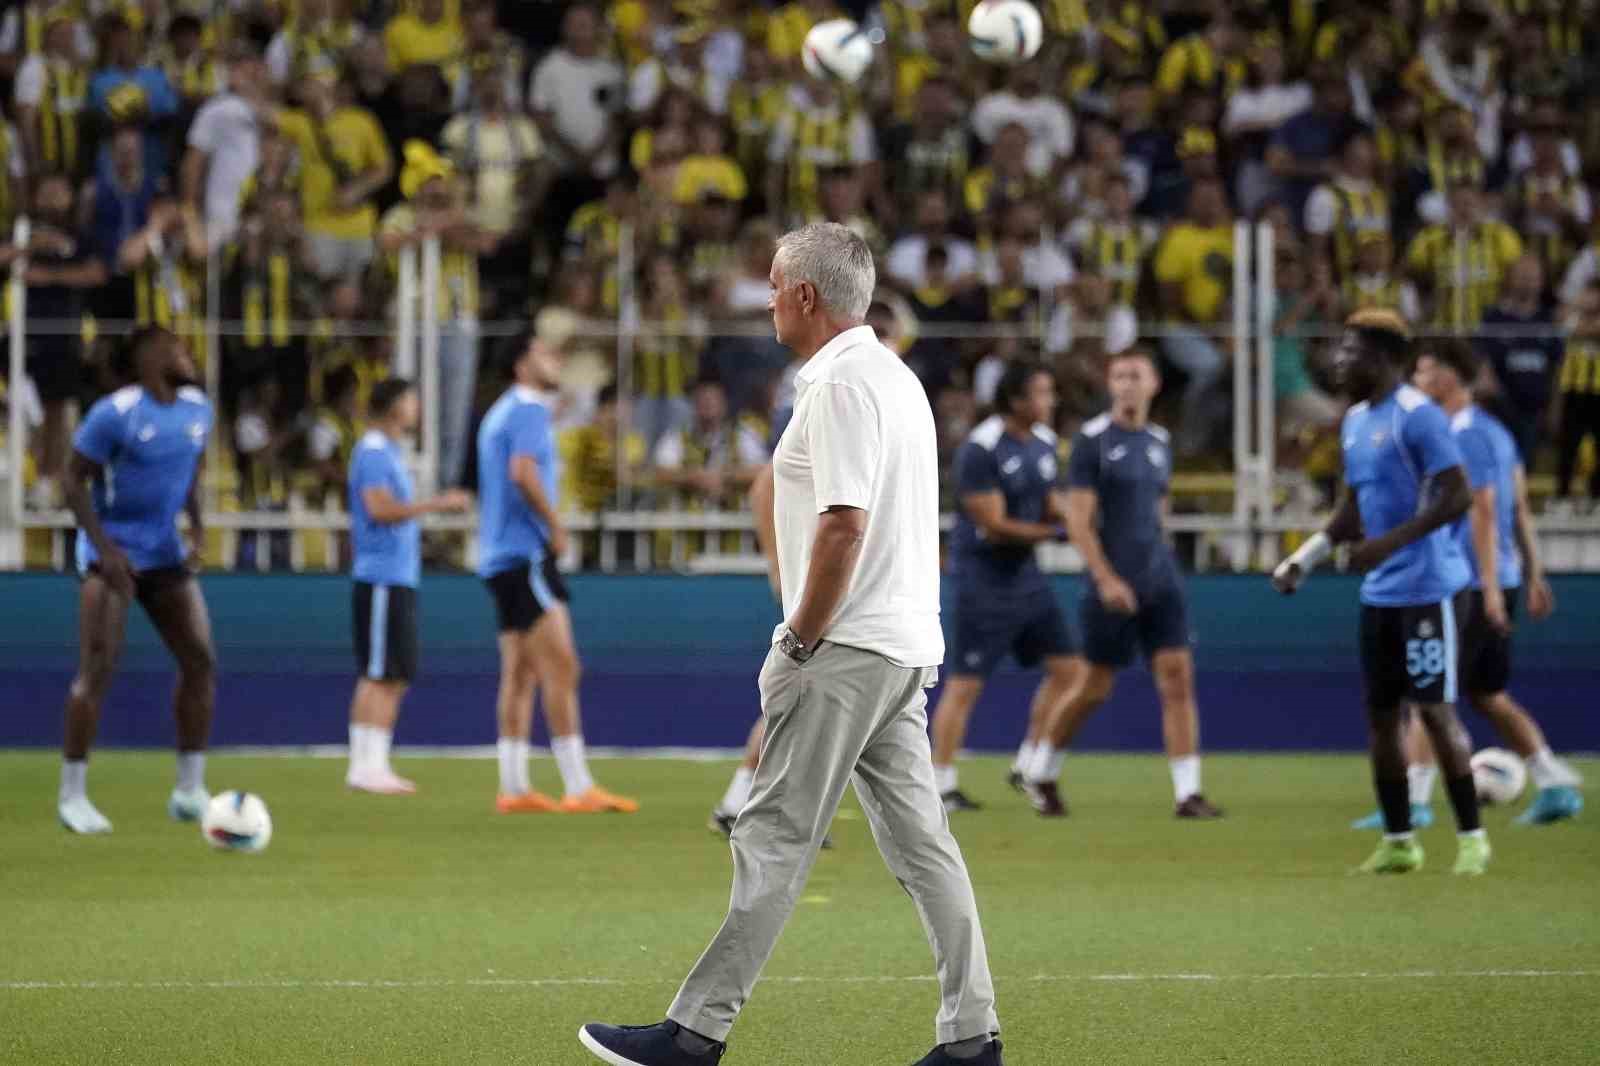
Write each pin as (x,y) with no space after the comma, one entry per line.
(1117,253)
(1465,276)
(1580,368)
(1554,244)
(66,92)
(1355,211)
(665,366)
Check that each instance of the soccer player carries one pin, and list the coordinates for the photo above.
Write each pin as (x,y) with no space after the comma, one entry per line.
(1117,481)
(140,449)
(1405,486)
(520,537)
(1497,527)
(1005,476)
(387,569)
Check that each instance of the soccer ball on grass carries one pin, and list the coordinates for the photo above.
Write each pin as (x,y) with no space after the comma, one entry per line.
(1499,775)
(236,821)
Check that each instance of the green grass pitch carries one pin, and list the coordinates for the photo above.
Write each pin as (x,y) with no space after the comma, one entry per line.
(428,930)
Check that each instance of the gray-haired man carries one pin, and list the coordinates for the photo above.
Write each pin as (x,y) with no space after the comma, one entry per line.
(856,504)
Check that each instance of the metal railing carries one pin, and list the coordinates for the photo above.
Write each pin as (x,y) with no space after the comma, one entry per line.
(1263,502)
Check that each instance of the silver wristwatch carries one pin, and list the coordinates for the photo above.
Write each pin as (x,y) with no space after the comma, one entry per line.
(793,646)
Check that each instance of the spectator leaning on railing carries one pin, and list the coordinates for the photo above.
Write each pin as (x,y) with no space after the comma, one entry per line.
(434,208)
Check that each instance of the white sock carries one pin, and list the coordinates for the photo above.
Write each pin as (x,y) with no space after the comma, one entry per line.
(945,779)
(1024,757)
(378,741)
(575,779)
(1480,833)
(1399,838)
(1548,771)
(358,734)
(513,752)
(738,793)
(1422,776)
(1185,776)
(191,770)
(1047,763)
(74,779)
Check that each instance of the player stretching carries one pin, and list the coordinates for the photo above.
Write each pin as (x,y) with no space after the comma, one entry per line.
(1498,525)
(141,448)
(1006,484)
(520,537)
(1117,481)
(387,569)
(1405,485)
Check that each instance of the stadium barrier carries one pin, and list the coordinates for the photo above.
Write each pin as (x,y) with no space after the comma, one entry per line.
(671,661)
(1243,519)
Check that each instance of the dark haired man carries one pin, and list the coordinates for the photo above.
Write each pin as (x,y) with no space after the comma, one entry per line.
(386,542)
(1009,502)
(520,539)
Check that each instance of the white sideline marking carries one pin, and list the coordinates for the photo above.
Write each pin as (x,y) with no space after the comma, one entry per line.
(577,982)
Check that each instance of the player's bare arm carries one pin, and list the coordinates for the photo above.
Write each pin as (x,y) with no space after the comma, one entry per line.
(1485,545)
(1541,601)
(988,512)
(525,476)
(197,517)
(1451,498)
(1115,593)
(113,564)
(386,510)
(1343,527)
(834,552)
(766,527)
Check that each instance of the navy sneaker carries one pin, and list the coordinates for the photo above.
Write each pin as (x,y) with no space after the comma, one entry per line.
(957,800)
(645,1045)
(723,823)
(990,1056)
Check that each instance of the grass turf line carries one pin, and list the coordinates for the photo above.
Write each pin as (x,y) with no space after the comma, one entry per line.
(400,931)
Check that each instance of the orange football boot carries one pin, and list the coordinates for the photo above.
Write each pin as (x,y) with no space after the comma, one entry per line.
(598,801)
(527,803)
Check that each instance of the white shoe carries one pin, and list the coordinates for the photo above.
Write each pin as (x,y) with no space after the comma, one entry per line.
(80,816)
(187,806)
(380,783)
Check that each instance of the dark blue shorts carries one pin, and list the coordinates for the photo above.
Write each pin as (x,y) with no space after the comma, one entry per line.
(1029,629)
(1113,639)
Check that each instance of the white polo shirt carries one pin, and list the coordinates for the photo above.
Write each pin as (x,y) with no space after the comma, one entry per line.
(862,436)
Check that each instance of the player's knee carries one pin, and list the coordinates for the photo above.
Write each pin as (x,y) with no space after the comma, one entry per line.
(198,662)
(1096,688)
(1063,672)
(1174,684)
(91,683)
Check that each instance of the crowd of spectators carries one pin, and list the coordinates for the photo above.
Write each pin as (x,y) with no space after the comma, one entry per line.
(1433,156)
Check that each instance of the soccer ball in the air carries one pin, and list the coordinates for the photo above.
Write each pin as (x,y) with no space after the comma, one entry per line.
(837,50)
(236,821)
(1499,775)
(1005,31)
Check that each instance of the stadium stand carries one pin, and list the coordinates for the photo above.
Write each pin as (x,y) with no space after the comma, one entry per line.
(283,181)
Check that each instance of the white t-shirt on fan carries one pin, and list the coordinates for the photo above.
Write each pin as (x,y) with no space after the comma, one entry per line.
(225,130)
(862,436)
